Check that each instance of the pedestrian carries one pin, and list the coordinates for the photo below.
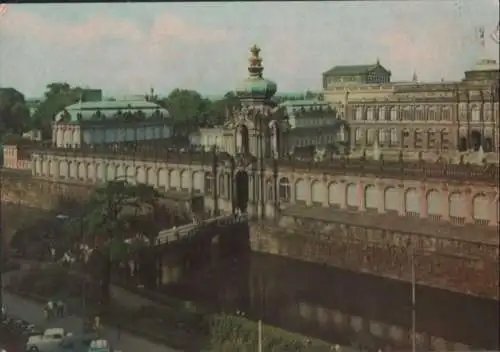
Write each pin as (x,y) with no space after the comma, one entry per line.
(60,308)
(50,309)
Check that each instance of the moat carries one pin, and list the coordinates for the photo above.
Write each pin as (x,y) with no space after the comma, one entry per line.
(345,307)
(336,305)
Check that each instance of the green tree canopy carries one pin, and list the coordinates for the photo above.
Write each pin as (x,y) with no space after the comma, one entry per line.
(14,113)
(57,97)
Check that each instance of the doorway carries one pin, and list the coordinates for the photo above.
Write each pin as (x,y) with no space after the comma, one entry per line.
(241,201)
(475,140)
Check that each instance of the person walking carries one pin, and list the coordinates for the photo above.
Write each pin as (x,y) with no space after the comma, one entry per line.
(50,309)
(60,308)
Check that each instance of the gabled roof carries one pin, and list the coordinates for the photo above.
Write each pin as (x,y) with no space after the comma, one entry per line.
(351,70)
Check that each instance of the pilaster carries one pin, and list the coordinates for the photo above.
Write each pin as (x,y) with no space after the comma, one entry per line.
(361,196)
(469,211)
(423,201)
(402,200)
(445,193)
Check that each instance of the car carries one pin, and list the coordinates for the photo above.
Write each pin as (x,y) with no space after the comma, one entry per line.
(75,343)
(46,341)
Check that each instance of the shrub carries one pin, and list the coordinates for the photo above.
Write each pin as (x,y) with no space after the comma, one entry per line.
(240,334)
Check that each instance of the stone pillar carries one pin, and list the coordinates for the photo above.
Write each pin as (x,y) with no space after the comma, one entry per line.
(361,196)
(343,200)
(469,211)
(326,195)
(423,201)
(292,189)
(381,199)
(446,203)
(402,199)
(309,191)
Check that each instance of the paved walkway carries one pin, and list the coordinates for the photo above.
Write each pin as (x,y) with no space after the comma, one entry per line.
(33,312)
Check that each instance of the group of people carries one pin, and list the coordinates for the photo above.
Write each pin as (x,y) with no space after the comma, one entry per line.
(54,310)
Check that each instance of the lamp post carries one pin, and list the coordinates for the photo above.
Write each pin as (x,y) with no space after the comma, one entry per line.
(413,303)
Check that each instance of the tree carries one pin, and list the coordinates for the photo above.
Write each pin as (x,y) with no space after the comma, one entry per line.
(219,108)
(14,113)
(111,219)
(57,97)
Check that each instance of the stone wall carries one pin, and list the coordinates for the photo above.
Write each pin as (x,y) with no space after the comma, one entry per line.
(19,187)
(460,266)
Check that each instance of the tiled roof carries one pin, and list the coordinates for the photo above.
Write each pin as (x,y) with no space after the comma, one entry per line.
(351,70)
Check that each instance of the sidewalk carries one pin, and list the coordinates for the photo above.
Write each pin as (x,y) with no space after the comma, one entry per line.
(33,312)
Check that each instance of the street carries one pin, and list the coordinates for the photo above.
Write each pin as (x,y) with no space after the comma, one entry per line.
(33,312)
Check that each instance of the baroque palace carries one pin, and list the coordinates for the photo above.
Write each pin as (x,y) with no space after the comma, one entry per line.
(413,196)
(362,209)
(251,167)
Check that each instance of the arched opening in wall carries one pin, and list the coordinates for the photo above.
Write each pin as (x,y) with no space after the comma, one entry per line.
(475,140)
(242,139)
(284,189)
(487,144)
(208,180)
(462,144)
(241,191)
(481,209)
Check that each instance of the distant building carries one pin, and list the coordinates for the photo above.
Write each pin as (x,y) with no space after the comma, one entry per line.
(98,122)
(358,74)
(312,123)
(437,119)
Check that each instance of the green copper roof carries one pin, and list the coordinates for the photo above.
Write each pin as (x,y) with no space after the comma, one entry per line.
(255,86)
(110,108)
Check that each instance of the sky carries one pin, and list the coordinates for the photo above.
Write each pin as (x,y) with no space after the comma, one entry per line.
(126,48)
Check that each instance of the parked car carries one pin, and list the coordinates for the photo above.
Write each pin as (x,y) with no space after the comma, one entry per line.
(46,341)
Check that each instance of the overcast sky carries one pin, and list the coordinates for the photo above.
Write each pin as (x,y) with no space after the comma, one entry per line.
(126,48)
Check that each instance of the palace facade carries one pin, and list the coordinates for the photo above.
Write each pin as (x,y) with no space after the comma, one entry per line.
(97,122)
(436,118)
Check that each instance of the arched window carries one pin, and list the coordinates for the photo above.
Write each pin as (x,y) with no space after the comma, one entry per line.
(394,113)
(284,189)
(208,183)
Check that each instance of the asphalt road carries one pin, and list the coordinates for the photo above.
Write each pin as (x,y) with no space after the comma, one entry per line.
(33,312)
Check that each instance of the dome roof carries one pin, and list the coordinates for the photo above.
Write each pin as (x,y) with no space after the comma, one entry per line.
(255,86)
(109,109)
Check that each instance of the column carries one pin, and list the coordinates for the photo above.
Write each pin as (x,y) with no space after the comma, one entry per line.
(423,201)
(326,195)
(308,182)
(402,200)
(469,211)
(361,196)
(292,189)
(445,193)
(343,200)
(381,199)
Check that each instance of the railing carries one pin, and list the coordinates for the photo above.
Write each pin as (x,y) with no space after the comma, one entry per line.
(407,169)
(189,230)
